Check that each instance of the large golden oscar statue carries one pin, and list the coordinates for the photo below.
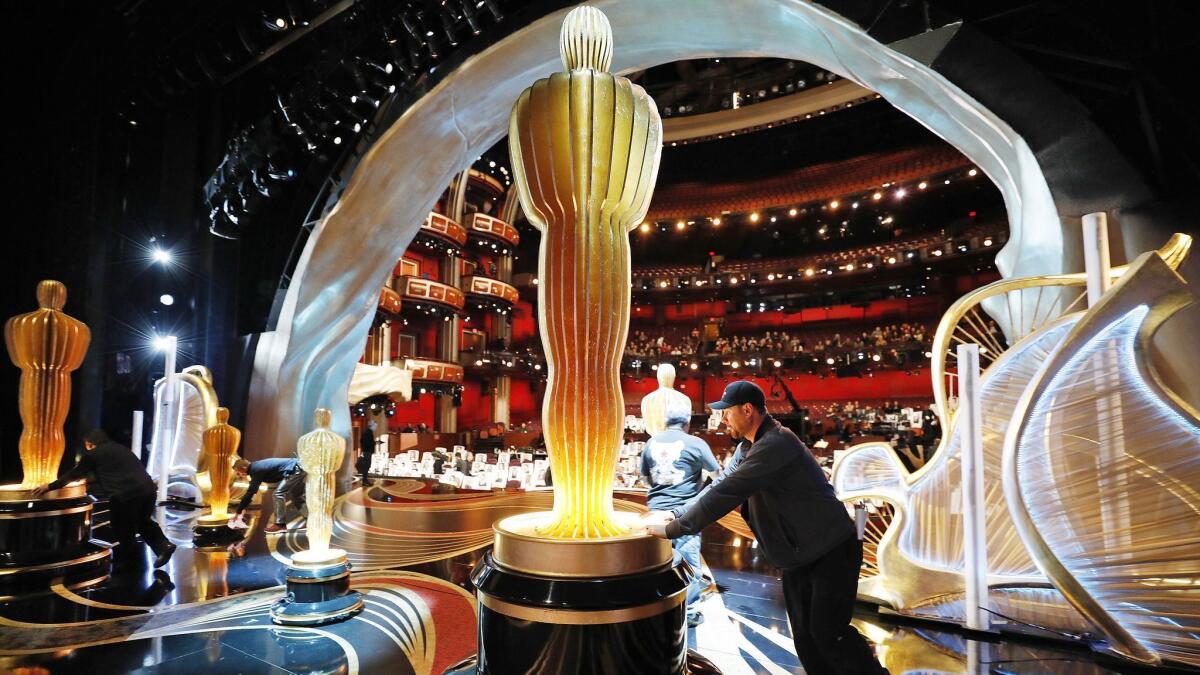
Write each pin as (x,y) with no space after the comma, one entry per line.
(585,146)
(321,453)
(318,580)
(46,345)
(581,587)
(46,536)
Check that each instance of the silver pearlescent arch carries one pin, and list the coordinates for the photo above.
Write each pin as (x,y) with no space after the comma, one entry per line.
(307,361)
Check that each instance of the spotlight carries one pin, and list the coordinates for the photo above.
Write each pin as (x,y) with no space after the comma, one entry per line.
(735,365)
(809,272)
(792,212)
(829,360)
(922,185)
(680,225)
(694,366)
(163,343)
(778,363)
(972,173)
(987,242)
(834,204)
(167,299)
(716,222)
(161,256)
(754,217)
(900,193)
(877,196)
(645,227)
(875,357)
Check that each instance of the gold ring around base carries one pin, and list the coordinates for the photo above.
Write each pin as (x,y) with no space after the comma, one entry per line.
(317,616)
(45,514)
(55,565)
(581,617)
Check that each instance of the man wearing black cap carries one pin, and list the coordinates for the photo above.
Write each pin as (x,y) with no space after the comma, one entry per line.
(120,475)
(800,526)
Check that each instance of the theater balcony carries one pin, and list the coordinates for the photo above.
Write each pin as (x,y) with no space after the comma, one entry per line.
(423,296)
(439,233)
(488,294)
(389,301)
(492,234)
(431,373)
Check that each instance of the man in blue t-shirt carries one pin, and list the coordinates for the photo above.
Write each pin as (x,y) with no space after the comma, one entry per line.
(673,463)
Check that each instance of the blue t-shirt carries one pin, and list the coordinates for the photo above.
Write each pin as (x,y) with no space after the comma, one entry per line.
(672,461)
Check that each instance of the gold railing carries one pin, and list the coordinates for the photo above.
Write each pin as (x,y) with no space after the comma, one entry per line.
(426,370)
(445,229)
(494,228)
(491,288)
(432,291)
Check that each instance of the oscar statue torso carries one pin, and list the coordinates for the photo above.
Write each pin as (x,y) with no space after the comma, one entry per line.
(220,443)
(321,452)
(585,146)
(46,345)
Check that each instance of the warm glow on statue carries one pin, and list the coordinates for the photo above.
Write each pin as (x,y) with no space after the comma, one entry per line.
(321,452)
(220,443)
(655,404)
(585,147)
(46,345)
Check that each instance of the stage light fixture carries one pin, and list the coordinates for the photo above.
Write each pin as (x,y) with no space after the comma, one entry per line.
(167,299)
(754,217)
(972,173)
(162,255)
(163,342)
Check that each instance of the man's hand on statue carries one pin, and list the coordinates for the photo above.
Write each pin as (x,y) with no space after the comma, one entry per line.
(40,490)
(238,522)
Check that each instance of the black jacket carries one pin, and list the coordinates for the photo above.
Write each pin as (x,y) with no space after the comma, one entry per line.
(790,506)
(115,469)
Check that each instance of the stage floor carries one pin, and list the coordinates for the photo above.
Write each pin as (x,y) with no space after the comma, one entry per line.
(412,551)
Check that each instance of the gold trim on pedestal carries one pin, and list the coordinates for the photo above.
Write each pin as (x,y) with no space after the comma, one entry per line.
(520,549)
(45,514)
(328,558)
(56,565)
(14,493)
(579,617)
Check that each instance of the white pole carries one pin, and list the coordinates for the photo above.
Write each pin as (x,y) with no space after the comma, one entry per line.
(385,350)
(1095,255)
(970,411)
(167,449)
(136,439)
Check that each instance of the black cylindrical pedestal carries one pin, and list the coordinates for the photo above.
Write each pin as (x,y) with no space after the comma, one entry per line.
(631,624)
(317,595)
(48,537)
(214,533)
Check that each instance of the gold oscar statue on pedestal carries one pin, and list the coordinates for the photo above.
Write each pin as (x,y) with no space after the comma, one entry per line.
(585,148)
(220,443)
(318,579)
(321,453)
(46,345)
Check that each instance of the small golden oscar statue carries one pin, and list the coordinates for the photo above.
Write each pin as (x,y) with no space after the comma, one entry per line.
(47,345)
(318,580)
(219,445)
(48,536)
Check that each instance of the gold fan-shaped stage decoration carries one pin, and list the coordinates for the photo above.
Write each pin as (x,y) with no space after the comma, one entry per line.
(1102,473)
(585,148)
(919,557)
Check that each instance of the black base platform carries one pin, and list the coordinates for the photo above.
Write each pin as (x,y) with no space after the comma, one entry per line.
(317,595)
(48,538)
(628,624)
